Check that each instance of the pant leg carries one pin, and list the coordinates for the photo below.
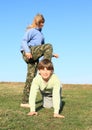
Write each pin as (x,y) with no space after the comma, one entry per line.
(31,72)
(44,50)
(47,99)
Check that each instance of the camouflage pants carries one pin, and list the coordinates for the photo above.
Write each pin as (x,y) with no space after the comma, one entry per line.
(44,50)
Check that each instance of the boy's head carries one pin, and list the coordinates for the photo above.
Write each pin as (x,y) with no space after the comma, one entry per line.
(45,68)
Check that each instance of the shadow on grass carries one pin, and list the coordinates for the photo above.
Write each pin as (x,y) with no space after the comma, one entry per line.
(63,104)
(38,101)
(39,107)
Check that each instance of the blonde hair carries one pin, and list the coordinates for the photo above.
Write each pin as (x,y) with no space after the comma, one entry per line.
(37,20)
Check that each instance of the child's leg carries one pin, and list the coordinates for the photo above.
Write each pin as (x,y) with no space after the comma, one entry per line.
(31,72)
(47,100)
(45,50)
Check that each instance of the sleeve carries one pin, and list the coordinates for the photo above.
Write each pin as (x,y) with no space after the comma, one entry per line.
(43,41)
(33,94)
(56,95)
(25,40)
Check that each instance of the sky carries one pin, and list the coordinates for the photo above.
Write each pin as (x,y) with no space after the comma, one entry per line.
(68,27)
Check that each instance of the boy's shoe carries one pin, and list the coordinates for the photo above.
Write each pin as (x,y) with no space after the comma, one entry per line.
(25,105)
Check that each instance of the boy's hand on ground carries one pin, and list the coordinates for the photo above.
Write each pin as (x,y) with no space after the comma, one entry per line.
(32,113)
(58,116)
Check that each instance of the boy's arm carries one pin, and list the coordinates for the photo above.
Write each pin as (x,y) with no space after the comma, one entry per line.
(56,93)
(57,101)
(56,97)
(33,94)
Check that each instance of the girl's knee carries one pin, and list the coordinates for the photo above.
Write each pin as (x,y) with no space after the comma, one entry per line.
(48,45)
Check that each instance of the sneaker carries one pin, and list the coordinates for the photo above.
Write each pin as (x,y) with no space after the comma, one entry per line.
(25,105)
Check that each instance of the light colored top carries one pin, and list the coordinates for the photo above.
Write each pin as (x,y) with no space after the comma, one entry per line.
(32,37)
(53,85)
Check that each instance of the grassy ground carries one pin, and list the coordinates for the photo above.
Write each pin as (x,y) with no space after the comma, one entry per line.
(77,108)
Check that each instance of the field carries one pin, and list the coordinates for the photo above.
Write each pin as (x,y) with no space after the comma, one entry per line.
(77,109)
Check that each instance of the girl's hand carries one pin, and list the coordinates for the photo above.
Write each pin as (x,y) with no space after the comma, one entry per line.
(32,113)
(28,55)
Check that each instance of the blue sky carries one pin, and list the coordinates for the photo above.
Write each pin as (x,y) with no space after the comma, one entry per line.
(68,28)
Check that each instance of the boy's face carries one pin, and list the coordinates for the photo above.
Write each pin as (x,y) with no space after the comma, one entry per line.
(45,74)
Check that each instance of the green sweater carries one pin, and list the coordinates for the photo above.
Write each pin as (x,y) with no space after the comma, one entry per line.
(53,85)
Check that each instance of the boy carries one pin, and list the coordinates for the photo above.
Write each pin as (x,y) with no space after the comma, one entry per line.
(48,84)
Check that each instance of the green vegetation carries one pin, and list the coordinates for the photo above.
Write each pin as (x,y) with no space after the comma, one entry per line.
(77,109)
